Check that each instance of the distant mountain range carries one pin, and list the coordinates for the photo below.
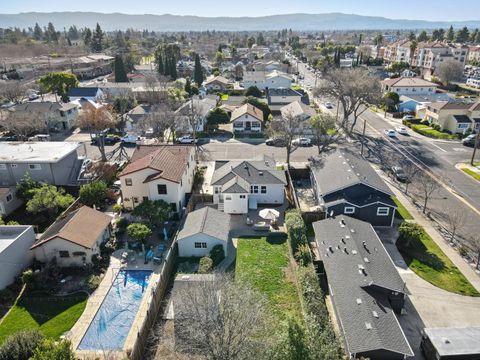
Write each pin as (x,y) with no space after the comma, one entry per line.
(117,21)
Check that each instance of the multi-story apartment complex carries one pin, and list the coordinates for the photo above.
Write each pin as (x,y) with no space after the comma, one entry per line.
(399,51)
(428,55)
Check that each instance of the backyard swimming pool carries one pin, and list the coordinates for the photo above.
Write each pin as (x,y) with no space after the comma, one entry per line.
(114,318)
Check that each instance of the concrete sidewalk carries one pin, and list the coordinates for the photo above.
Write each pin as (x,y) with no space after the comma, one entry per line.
(452,254)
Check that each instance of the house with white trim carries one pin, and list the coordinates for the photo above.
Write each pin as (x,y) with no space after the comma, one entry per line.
(409,86)
(238,186)
(345,184)
(263,80)
(247,118)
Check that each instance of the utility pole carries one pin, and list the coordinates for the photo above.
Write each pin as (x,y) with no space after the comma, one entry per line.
(477,143)
(336,116)
(363,135)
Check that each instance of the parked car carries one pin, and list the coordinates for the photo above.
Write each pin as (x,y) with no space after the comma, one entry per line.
(107,140)
(399,173)
(186,140)
(408,117)
(402,130)
(87,164)
(33,97)
(470,140)
(40,137)
(302,142)
(275,142)
(329,105)
(390,132)
(130,139)
(7,105)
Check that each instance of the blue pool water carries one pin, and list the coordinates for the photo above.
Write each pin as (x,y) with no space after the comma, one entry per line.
(112,323)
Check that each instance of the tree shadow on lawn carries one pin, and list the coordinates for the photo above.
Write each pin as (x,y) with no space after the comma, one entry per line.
(417,250)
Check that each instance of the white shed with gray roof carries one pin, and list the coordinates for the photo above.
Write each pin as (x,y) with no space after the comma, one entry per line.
(203,229)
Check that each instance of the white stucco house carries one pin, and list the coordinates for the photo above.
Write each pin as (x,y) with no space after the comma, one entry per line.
(15,255)
(247,118)
(241,185)
(74,238)
(202,230)
(158,172)
(218,83)
(263,80)
(409,86)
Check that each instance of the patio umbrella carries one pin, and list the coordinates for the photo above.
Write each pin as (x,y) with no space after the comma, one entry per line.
(269,214)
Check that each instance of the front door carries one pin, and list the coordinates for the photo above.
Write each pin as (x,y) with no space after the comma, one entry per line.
(248,125)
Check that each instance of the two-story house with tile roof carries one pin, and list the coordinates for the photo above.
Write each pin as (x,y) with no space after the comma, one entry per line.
(454,116)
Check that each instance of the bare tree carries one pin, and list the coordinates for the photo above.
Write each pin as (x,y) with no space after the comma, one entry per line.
(474,243)
(159,119)
(287,128)
(411,172)
(155,89)
(355,89)
(455,220)
(97,120)
(428,186)
(223,319)
(12,90)
(325,133)
(22,123)
(449,70)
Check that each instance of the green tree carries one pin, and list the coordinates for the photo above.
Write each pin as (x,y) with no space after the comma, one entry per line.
(94,193)
(462,35)
(250,41)
(188,87)
(411,36)
(217,116)
(50,349)
(398,66)
(477,38)
(198,71)
(120,73)
(260,105)
(409,233)
(438,35)
(450,34)
(253,91)
(139,232)
(422,36)
(21,345)
(156,212)
(378,39)
(59,83)
(391,100)
(97,39)
(51,34)
(48,199)
(87,37)
(37,32)
(26,187)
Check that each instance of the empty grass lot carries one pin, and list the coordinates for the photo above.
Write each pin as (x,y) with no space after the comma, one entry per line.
(51,315)
(264,263)
(402,212)
(429,262)
(473,174)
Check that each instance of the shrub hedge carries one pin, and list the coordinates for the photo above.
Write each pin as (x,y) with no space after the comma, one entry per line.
(205,265)
(296,229)
(217,254)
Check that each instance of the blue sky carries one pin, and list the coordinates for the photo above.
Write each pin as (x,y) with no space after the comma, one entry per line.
(415,9)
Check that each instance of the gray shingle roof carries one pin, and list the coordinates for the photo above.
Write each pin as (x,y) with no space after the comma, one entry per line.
(83,91)
(207,221)
(341,169)
(355,277)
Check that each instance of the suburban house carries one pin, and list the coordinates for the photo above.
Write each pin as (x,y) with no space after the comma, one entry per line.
(409,86)
(263,80)
(247,118)
(302,112)
(74,238)
(15,256)
(87,93)
(416,103)
(344,183)
(56,116)
(218,83)
(202,230)
(268,65)
(196,109)
(449,343)
(242,185)
(52,162)
(159,172)
(135,116)
(456,117)
(8,200)
(365,288)
(282,96)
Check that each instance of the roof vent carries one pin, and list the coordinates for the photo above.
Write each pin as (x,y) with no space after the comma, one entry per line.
(343,241)
(375,314)
(446,341)
(368,326)
(359,301)
(347,237)
(260,173)
(245,166)
(352,230)
(366,260)
(345,250)
(361,267)
(354,252)
(330,249)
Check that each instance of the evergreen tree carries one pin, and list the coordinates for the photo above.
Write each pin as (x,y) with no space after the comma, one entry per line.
(69,42)
(97,39)
(462,35)
(173,68)
(37,32)
(411,36)
(438,35)
(51,34)
(450,33)
(87,37)
(188,87)
(120,73)
(477,38)
(473,36)
(198,71)
(160,65)
(423,36)
(73,33)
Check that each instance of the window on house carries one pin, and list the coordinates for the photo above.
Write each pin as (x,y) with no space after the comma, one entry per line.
(216,189)
(3,167)
(34,166)
(349,210)
(228,197)
(64,254)
(383,211)
(162,189)
(254,189)
(181,182)
(135,200)
(79,253)
(128,182)
(242,196)
(9,197)
(463,126)
(263,189)
(200,245)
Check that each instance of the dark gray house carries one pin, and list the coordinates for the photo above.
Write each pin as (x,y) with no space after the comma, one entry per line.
(345,183)
(365,288)
(52,162)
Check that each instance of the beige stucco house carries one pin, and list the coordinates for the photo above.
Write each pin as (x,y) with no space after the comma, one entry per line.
(456,117)
(73,239)
(247,118)
(218,83)
(158,172)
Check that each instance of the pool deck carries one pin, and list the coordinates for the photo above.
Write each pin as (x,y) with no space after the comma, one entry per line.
(95,300)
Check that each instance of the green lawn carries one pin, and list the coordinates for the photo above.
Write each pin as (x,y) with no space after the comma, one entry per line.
(296,87)
(402,212)
(430,132)
(473,174)
(51,315)
(264,263)
(429,262)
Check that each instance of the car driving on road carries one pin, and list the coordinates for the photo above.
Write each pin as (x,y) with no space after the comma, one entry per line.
(275,142)
(470,140)
(302,142)
(402,130)
(390,132)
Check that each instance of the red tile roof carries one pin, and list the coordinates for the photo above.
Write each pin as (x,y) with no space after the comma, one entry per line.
(169,160)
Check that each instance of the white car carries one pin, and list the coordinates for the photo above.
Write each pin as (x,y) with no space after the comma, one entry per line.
(329,105)
(402,130)
(130,139)
(389,132)
(302,142)
(408,117)
(186,140)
